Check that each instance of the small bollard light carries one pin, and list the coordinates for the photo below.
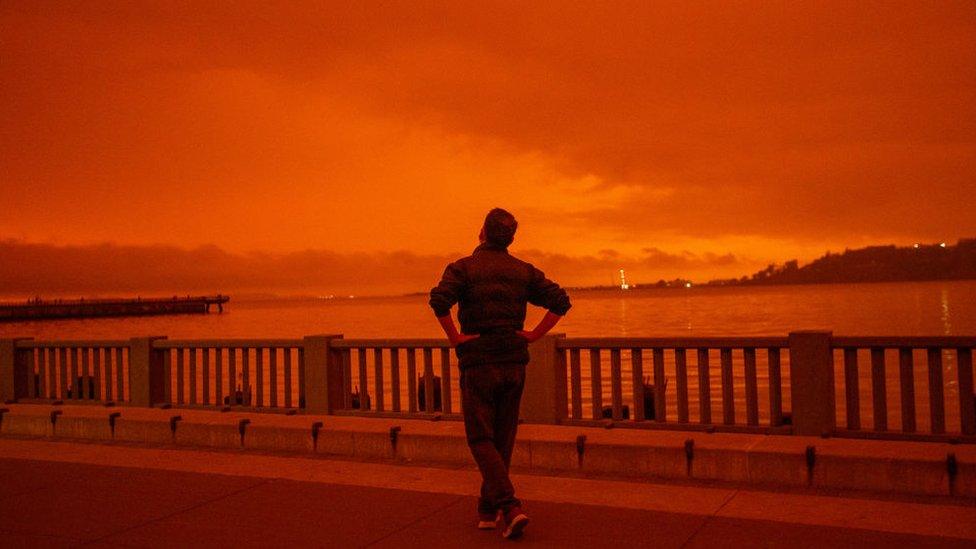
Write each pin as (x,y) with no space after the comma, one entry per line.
(242,427)
(394,434)
(316,427)
(54,415)
(580,448)
(111,421)
(952,469)
(811,457)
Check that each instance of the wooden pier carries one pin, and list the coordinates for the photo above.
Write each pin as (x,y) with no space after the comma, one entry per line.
(36,309)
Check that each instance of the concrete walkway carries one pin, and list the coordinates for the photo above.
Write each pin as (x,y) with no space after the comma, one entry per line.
(70,494)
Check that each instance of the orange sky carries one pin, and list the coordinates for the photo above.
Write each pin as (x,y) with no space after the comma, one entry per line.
(676,139)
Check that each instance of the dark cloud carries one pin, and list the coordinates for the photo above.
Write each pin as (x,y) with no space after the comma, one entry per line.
(820,122)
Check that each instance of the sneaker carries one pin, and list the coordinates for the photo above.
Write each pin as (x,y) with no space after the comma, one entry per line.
(488,521)
(515,522)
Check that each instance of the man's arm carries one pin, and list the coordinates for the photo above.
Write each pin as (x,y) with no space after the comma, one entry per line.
(541,329)
(450,330)
(443,297)
(546,293)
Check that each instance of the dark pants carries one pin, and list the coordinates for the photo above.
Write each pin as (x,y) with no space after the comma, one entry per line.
(490,395)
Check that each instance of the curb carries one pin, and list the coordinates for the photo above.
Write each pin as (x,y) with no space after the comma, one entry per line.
(893,467)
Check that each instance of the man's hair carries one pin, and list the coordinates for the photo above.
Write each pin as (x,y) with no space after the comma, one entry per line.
(500,227)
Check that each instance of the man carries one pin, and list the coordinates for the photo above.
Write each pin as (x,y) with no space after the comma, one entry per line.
(491,289)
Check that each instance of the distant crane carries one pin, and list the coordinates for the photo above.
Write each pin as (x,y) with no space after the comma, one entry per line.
(623,281)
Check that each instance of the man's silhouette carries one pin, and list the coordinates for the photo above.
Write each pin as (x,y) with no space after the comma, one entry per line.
(491,289)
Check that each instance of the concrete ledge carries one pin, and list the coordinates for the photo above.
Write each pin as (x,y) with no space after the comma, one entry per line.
(910,468)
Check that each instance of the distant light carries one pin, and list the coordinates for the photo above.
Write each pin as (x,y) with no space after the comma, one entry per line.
(915,246)
(942,244)
(687,284)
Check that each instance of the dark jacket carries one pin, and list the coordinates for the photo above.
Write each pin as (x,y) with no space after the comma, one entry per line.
(491,289)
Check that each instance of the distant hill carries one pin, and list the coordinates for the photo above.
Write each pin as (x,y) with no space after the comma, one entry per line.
(873,264)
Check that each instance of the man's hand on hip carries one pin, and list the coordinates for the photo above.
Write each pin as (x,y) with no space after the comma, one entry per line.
(462,338)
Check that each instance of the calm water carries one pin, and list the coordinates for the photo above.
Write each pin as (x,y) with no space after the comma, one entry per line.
(921,308)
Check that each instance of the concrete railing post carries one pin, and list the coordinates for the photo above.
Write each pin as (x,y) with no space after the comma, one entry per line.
(147,377)
(544,397)
(13,370)
(323,374)
(812,383)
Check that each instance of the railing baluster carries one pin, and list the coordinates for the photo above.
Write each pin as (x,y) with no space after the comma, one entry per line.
(596,383)
(363,385)
(446,380)
(852,389)
(121,356)
(63,373)
(878,391)
(637,384)
(50,357)
(906,371)
(205,371)
(232,376)
(347,377)
(81,373)
(273,377)
(728,402)
(34,367)
(429,380)
(936,391)
(660,386)
(681,383)
(288,381)
(97,373)
(180,377)
(704,388)
(616,391)
(752,386)
(967,408)
(259,376)
(576,383)
(219,378)
(378,403)
(412,380)
(193,376)
(775,387)
(395,379)
(167,376)
(87,365)
(247,396)
(107,376)
(301,378)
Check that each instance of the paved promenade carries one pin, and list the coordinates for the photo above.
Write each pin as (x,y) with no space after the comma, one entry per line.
(70,494)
